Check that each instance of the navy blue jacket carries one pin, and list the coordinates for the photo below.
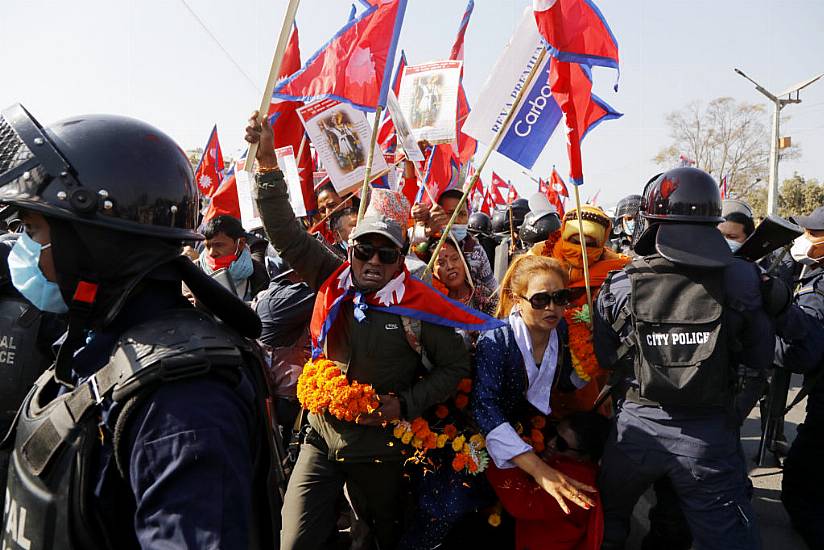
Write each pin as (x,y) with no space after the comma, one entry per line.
(500,385)
(190,447)
(800,346)
(687,431)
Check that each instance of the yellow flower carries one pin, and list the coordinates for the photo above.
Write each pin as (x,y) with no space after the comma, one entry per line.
(442,439)
(494,519)
(406,438)
(399,431)
(458,443)
(477,441)
(417,442)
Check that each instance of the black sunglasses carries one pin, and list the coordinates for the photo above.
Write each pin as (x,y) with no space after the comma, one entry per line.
(540,300)
(364,252)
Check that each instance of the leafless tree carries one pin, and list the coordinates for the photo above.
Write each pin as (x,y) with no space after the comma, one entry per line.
(724,138)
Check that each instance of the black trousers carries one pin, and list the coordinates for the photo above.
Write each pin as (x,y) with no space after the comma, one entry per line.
(309,509)
(802,488)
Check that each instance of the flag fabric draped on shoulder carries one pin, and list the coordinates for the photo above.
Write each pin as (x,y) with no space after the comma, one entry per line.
(287,127)
(210,170)
(576,31)
(404,295)
(354,66)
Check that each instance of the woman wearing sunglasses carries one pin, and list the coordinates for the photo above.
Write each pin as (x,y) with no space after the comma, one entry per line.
(519,365)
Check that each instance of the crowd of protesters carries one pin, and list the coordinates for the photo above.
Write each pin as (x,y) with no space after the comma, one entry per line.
(615,354)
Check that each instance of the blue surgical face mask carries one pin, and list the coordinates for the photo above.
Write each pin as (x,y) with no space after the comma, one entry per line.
(242,267)
(734,245)
(459,231)
(28,279)
(629,226)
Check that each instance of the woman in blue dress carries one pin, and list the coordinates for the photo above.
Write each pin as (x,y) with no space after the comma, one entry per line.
(518,367)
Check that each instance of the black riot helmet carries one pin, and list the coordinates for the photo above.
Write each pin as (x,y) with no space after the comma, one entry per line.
(681,208)
(103,170)
(683,195)
(538,226)
(520,208)
(500,221)
(480,224)
(628,206)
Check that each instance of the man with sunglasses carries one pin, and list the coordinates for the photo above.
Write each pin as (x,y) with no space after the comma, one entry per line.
(354,324)
(673,324)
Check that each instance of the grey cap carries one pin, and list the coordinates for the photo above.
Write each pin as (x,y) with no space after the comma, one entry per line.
(813,222)
(379,225)
(728,206)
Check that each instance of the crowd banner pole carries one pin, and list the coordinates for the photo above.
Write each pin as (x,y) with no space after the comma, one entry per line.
(369,159)
(274,71)
(302,147)
(583,252)
(485,158)
(422,181)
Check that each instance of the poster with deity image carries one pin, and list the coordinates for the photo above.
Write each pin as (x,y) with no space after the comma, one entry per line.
(429,100)
(341,136)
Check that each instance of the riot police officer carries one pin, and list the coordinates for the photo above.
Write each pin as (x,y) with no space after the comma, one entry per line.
(626,221)
(149,430)
(26,338)
(480,227)
(695,311)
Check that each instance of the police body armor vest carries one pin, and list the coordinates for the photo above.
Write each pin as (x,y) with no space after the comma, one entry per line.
(50,495)
(677,314)
(21,361)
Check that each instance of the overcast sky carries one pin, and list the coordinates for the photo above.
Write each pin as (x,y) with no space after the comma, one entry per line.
(186,65)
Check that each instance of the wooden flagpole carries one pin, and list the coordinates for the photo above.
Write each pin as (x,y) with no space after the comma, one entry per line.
(583,252)
(369,159)
(274,72)
(492,146)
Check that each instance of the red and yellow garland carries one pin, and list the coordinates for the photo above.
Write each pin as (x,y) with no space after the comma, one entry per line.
(323,387)
(580,342)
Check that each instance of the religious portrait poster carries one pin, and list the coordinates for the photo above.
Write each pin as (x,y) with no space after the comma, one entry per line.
(341,136)
(428,98)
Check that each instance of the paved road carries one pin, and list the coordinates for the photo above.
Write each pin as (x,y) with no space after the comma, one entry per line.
(776,532)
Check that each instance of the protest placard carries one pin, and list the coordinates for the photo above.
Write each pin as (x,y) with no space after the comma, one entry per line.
(341,136)
(429,99)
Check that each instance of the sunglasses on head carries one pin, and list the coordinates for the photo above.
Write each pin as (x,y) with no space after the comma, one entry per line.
(365,251)
(540,300)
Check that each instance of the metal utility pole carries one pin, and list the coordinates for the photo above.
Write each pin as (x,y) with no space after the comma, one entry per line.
(779,102)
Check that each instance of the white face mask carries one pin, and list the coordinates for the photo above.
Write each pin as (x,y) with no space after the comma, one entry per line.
(734,245)
(801,249)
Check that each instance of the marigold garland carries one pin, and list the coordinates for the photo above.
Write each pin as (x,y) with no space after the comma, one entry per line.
(470,448)
(323,387)
(580,342)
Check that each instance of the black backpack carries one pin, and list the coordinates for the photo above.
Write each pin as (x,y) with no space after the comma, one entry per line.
(682,353)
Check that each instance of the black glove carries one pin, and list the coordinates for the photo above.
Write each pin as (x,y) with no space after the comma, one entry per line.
(776,295)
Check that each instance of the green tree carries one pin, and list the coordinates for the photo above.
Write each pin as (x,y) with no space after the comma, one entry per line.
(796,196)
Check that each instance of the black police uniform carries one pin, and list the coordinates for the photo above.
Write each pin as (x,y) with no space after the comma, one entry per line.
(800,349)
(695,315)
(149,431)
(26,338)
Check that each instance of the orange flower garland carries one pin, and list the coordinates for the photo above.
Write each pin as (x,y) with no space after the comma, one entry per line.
(470,454)
(323,387)
(580,342)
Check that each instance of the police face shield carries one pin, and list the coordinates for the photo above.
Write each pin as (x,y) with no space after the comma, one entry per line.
(29,163)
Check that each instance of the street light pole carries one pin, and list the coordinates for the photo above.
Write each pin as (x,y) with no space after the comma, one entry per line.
(772,190)
(778,104)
